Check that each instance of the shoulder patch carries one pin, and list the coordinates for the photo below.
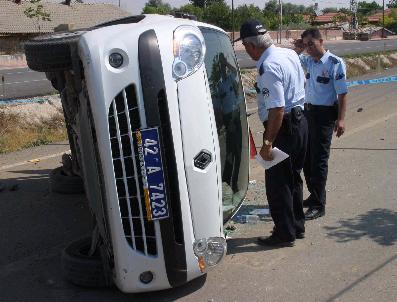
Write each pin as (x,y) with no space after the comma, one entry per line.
(334,60)
(339,76)
(265,92)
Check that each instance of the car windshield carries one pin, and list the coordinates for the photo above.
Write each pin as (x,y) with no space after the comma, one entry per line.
(231,118)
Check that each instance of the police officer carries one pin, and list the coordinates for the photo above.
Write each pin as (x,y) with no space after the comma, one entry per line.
(326,92)
(280,83)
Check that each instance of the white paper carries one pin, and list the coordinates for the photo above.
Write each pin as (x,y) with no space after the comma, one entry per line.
(260,212)
(278,156)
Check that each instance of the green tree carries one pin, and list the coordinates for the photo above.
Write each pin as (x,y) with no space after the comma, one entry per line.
(204,3)
(219,14)
(293,9)
(392,4)
(330,10)
(309,10)
(391,20)
(192,9)
(368,8)
(271,7)
(339,18)
(247,12)
(36,11)
(270,14)
(156,7)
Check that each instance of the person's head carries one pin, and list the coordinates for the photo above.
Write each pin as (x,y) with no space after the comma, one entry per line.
(313,42)
(255,38)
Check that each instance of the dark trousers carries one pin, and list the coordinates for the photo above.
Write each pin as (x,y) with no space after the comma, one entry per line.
(284,186)
(233,149)
(321,122)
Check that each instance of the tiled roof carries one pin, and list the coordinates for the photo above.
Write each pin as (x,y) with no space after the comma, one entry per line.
(14,21)
(326,18)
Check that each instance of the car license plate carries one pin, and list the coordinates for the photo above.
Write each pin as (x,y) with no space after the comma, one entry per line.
(152,173)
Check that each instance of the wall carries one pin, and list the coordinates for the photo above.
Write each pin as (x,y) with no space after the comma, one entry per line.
(328,34)
(12,61)
(12,44)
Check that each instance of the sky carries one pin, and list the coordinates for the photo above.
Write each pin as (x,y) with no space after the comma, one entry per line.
(135,6)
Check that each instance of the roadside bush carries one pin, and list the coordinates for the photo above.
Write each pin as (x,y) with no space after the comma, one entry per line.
(16,134)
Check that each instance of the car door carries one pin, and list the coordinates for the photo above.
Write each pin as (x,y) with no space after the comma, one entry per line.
(231,118)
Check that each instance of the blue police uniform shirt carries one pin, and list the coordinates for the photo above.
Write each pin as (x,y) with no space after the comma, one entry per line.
(228,93)
(325,79)
(280,81)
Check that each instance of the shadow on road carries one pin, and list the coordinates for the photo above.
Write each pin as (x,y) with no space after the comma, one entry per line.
(32,180)
(171,294)
(246,245)
(378,224)
(33,219)
(363,278)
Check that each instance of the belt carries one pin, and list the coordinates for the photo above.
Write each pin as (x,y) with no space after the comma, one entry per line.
(288,117)
(312,107)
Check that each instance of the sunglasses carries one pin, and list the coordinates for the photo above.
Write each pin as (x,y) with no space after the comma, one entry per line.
(309,44)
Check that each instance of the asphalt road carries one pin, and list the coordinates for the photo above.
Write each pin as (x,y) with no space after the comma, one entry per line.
(23,82)
(340,48)
(349,255)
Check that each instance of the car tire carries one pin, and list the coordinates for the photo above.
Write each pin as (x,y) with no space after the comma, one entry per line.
(81,269)
(62,183)
(51,52)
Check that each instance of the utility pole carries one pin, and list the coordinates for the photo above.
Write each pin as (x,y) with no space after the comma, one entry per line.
(383,21)
(280,2)
(4,91)
(233,21)
(353,9)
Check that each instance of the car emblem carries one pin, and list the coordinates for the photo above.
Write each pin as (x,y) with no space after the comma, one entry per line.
(202,160)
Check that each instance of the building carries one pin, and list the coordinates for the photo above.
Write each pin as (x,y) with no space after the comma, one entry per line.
(377,18)
(16,27)
(330,19)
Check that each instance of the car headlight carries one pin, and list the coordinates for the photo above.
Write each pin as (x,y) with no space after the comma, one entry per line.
(209,251)
(189,51)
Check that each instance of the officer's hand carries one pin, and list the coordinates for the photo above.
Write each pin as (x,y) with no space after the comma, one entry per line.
(339,128)
(266,152)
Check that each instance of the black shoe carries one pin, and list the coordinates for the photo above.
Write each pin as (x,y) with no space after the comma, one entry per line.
(273,240)
(314,213)
(300,235)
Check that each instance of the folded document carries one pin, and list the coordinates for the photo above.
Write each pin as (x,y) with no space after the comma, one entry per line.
(278,156)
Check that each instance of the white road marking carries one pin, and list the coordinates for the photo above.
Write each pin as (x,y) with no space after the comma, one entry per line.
(29,163)
(18,72)
(24,82)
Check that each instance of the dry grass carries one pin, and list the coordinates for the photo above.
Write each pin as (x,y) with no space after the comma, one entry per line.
(16,134)
(363,64)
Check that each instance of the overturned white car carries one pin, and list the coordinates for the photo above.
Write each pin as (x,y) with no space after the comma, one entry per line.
(157,125)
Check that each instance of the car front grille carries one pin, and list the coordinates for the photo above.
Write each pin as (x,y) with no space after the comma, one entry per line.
(124,121)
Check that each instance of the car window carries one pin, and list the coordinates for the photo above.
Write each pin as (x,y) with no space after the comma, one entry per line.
(231,118)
